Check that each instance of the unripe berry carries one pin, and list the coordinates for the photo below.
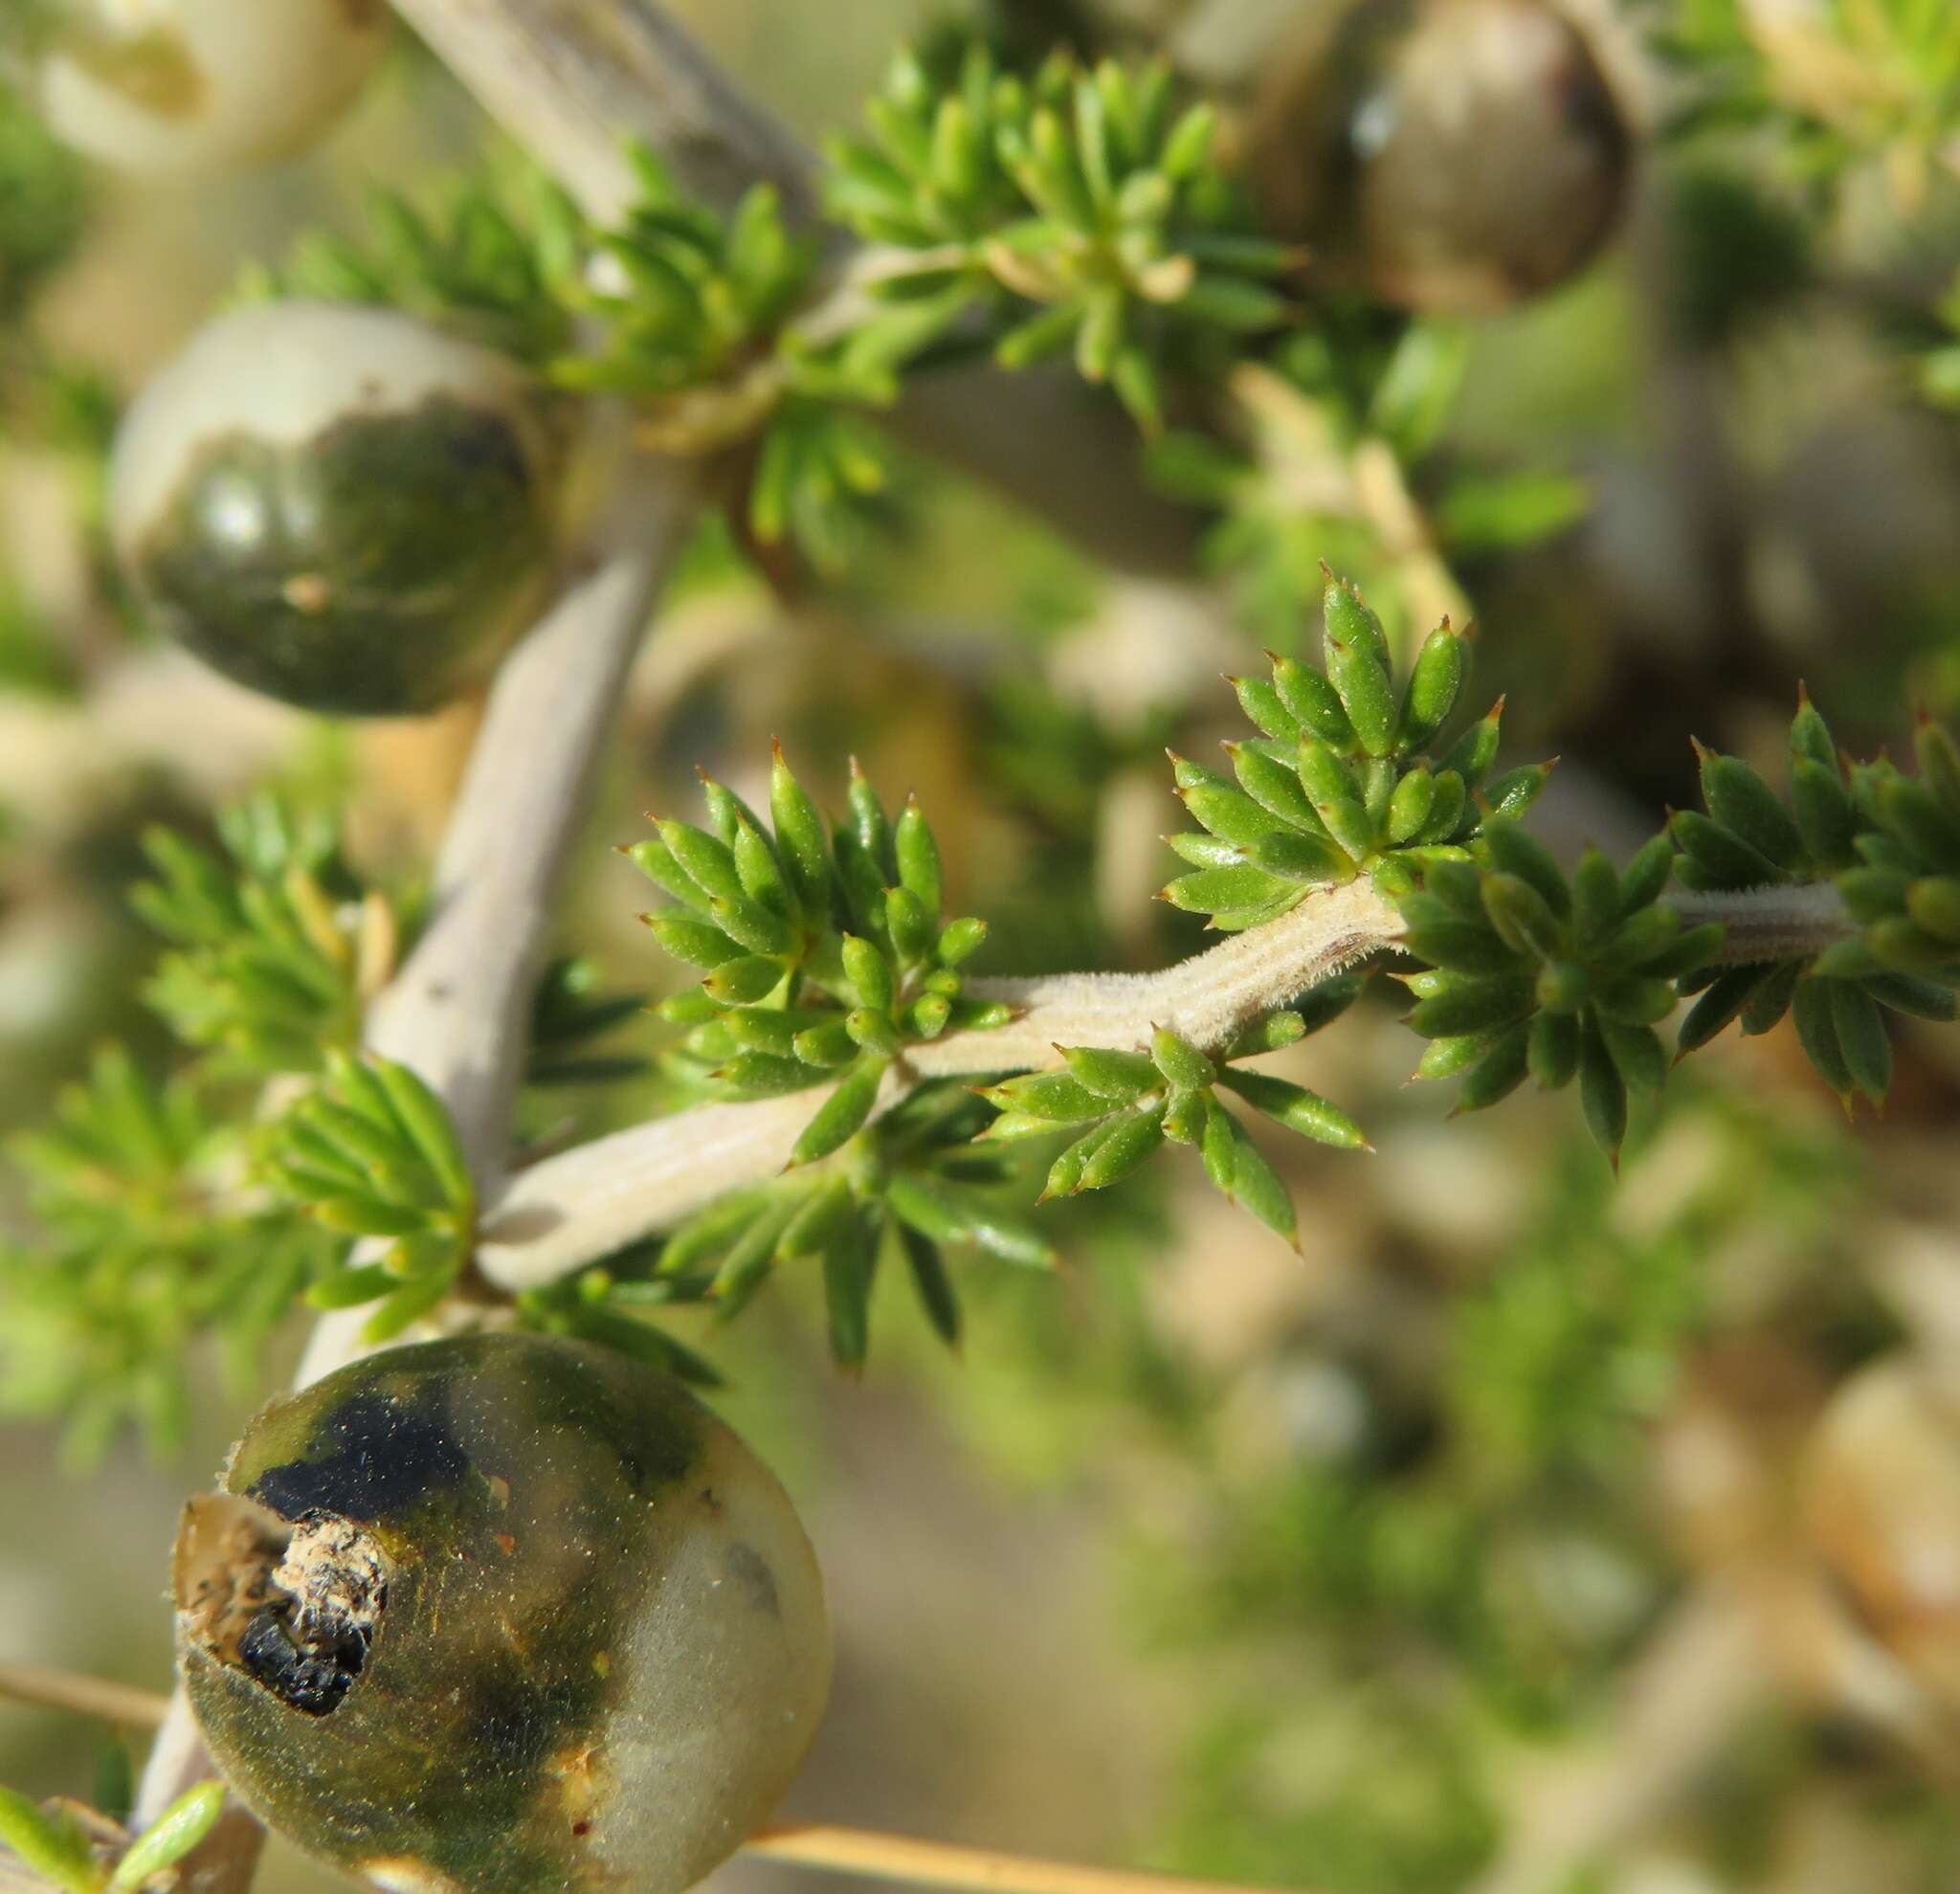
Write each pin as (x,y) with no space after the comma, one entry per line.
(504,1614)
(1448,156)
(194,86)
(342,507)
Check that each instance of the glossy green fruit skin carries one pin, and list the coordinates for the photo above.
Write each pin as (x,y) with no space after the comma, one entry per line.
(338,507)
(602,1651)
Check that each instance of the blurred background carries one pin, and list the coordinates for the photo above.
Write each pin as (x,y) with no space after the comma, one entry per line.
(1531,1533)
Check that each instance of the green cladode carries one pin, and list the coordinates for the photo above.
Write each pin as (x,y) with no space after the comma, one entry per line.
(587,1648)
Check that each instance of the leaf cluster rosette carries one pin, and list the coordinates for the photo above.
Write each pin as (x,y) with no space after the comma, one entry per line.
(1342,781)
(1535,975)
(1080,211)
(146,1238)
(824,947)
(373,1152)
(274,945)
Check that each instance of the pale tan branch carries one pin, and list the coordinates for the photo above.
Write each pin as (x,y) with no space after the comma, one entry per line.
(572,1209)
(574,81)
(459,1011)
(82,1696)
(569,1210)
(881,1857)
(1205,998)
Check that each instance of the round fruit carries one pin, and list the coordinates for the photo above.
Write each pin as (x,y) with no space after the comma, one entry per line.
(1448,156)
(153,85)
(341,507)
(501,1615)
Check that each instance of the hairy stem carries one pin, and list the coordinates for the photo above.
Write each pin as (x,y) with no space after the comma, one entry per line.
(569,1210)
(574,81)
(1769,924)
(459,1011)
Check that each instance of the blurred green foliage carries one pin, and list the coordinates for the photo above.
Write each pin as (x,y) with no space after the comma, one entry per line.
(1384,1538)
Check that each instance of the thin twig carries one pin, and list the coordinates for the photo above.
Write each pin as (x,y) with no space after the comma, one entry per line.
(881,1857)
(83,1696)
(1700,1674)
(574,81)
(459,1011)
(868,1853)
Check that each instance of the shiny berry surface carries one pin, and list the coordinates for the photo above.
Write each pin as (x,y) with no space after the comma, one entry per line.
(502,1613)
(338,507)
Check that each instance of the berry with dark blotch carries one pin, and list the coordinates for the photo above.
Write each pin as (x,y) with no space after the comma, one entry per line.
(502,1614)
(342,507)
(197,85)
(1447,156)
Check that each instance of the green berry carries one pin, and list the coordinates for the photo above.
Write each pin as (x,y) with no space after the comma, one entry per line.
(501,1614)
(343,508)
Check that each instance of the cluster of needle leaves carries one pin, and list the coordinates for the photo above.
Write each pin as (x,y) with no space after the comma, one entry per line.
(162,1218)
(1537,975)
(1555,978)
(371,1153)
(1890,845)
(1341,780)
(274,944)
(151,1236)
(1073,212)
(1118,1109)
(904,1192)
(824,950)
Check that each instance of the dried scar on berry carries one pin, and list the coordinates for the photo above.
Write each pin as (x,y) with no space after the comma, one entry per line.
(293,1606)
